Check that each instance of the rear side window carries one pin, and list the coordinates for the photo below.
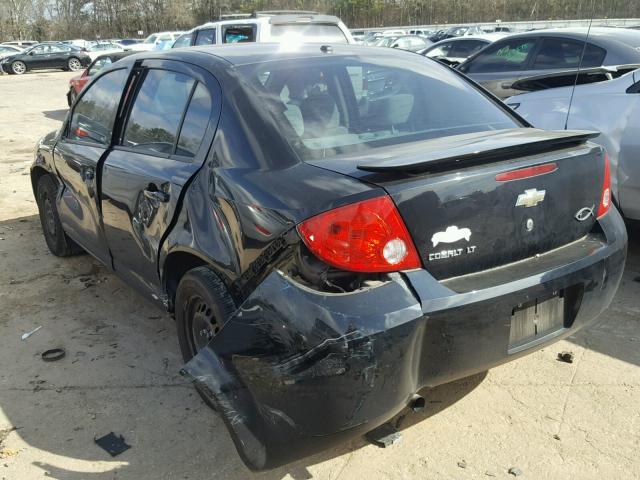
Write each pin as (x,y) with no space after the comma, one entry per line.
(239,34)
(206,37)
(195,122)
(157,112)
(562,53)
(310,32)
(506,56)
(95,113)
(332,106)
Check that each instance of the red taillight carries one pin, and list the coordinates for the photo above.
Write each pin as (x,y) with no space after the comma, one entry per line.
(81,132)
(605,197)
(526,172)
(367,236)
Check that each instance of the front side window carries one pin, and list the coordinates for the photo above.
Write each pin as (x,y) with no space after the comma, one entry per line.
(183,41)
(466,48)
(157,111)
(206,37)
(506,56)
(40,49)
(95,113)
(333,106)
(440,51)
(309,33)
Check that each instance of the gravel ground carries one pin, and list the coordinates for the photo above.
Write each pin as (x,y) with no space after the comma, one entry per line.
(547,418)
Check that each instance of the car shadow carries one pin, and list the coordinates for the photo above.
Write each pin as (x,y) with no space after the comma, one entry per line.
(120,374)
(56,114)
(617,332)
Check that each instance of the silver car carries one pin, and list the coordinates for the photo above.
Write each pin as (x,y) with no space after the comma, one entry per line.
(611,107)
(544,51)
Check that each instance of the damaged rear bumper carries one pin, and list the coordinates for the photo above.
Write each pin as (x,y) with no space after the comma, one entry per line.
(296,371)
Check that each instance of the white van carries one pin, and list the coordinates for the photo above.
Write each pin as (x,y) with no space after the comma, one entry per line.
(287,27)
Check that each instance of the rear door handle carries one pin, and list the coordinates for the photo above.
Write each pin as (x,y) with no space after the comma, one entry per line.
(156,195)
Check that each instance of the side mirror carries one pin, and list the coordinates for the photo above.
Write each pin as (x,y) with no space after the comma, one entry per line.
(394,46)
(31,53)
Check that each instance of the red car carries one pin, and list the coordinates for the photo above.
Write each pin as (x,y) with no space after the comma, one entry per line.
(77,83)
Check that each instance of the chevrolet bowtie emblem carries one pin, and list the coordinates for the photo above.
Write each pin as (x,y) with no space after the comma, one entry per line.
(530,198)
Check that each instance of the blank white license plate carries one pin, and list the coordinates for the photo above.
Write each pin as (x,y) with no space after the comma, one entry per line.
(536,320)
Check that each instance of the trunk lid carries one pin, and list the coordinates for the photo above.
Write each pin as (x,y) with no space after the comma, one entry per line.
(462,218)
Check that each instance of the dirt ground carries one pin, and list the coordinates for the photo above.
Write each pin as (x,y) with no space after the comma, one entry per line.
(120,373)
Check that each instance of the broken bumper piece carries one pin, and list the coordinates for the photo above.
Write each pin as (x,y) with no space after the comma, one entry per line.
(296,371)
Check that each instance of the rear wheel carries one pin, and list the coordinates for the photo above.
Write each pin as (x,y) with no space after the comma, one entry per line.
(18,67)
(58,242)
(74,64)
(202,307)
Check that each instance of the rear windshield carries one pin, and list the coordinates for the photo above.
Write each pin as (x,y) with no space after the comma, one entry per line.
(330,106)
(309,32)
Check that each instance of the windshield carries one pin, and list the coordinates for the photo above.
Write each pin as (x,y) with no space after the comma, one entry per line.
(151,38)
(309,32)
(332,106)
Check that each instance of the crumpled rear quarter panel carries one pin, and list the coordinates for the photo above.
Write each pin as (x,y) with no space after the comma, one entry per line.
(295,350)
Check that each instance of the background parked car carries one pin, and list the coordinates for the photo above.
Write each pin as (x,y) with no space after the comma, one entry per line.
(611,107)
(6,50)
(456,32)
(269,27)
(127,42)
(104,47)
(76,84)
(454,51)
(544,51)
(21,43)
(46,56)
(156,41)
(413,43)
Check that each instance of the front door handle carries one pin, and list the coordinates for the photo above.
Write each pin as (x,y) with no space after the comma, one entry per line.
(156,195)
(506,85)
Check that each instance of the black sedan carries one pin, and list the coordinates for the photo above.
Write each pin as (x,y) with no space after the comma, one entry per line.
(46,56)
(334,227)
(543,52)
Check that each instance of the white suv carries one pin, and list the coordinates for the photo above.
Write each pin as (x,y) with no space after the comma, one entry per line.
(156,41)
(289,28)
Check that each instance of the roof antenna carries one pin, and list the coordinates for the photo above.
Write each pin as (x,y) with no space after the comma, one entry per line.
(584,48)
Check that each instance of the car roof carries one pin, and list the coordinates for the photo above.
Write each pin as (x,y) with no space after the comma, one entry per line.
(272,19)
(115,55)
(579,33)
(238,54)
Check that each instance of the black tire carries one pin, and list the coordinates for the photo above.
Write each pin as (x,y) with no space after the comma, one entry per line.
(57,240)
(74,64)
(18,67)
(202,307)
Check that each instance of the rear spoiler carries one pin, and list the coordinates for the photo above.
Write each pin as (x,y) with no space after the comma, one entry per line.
(566,78)
(471,149)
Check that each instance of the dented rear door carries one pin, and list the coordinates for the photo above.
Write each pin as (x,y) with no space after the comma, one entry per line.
(170,124)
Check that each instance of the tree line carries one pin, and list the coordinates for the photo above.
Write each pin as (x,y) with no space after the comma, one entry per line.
(89,19)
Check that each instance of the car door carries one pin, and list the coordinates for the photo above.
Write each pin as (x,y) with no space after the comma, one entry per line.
(58,56)
(169,128)
(499,65)
(557,54)
(84,143)
(38,57)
